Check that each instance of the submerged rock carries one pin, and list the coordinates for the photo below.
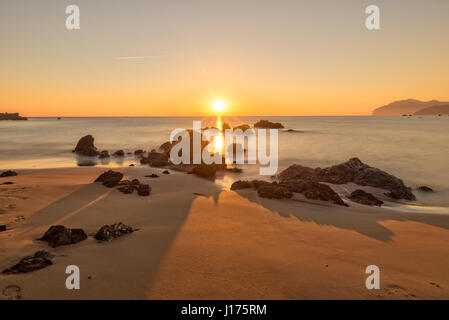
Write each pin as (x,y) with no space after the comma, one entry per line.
(39,260)
(268,124)
(363,197)
(86,147)
(8,173)
(119,153)
(425,189)
(108,233)
(354,171)
(60,236)
(110,178)
(104,154)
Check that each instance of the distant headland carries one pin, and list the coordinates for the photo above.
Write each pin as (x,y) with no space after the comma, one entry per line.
(413,107)
(11,116)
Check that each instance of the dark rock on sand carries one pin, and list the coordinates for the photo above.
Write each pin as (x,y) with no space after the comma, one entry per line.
(86,147)
(425,189)
(363,197)
(3,227)
(119,153)
(241,184)
(314,190)
(8,173)
(274,191)
(153,175)
(166,172)
(127,189)
(143,190)
(60,236)
(110,178)
(207,170)
(104,154)
(108,233)
(268,124)
(7,182)
(39,260)
(354,171)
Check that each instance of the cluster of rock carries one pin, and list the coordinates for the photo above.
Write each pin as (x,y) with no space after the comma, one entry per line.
(11,116)
(268,124)
(108,233)
(8,173)
(354,171)
(39,260)
(111,179)
(128,187)
(284,190)
(61,236)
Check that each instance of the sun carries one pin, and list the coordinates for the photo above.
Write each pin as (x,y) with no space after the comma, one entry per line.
(219,105)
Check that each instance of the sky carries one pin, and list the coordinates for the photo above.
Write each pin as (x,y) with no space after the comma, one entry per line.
(263,57)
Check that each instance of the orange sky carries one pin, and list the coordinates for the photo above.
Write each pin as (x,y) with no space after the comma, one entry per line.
(294,58)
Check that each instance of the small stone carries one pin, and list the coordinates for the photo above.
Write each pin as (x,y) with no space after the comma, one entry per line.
(39,260)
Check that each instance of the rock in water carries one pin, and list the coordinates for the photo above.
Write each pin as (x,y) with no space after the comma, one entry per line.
(363,197)
(268,124)
(354,171)
(104,154)
(425,189)
(61,236)
(86,147)
(110,178)
(243,127)
(8,173)
(119,153)
(39,260)
(108,233)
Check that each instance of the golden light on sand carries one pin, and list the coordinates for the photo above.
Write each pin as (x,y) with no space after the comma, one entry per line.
(218,105)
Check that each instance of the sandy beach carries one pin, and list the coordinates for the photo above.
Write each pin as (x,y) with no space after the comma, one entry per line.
(198,240)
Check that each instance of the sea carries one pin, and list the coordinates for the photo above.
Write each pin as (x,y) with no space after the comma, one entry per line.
(415,149)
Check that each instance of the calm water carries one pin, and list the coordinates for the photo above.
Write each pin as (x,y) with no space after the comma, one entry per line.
(412,148)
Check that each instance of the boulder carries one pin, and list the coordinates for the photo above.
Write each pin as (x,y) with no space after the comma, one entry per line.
(143,190)
(314,190)
(11,116)
(127,189)
(110,178)
(274,191)
(166,147)
(119,153)
(108,233)
(354,171)
(86,147)
(104,154)
(60,236)
(240,184)
(268,124)
(39,260)
(363,197)
(8,173)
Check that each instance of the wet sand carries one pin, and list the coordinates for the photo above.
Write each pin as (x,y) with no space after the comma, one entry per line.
(197,240)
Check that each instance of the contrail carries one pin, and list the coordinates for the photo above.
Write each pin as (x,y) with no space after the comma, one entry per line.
(146,57)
